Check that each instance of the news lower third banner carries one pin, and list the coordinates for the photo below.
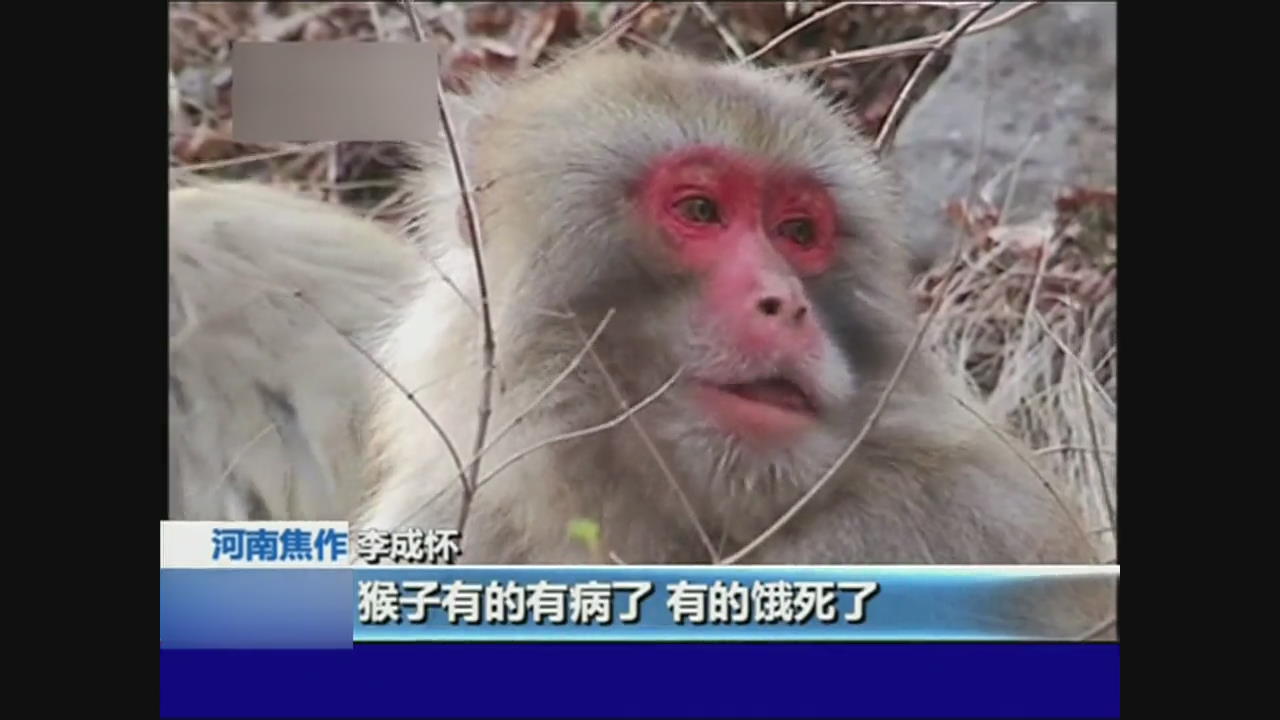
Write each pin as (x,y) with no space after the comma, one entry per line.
(303,584)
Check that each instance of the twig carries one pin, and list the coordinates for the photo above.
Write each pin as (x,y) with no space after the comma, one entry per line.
(577,359)
(1101,628)
(1006,207)
(215,164)
(414,22)
(1097,451)
(723,31)
(1004,438)
(782,36)
(235,460)
(653,450)
(721,464)
(244,449)
(608,424)
(848,451)
(1071,448)
(608,35)
(1084,368)
(273,31)
(1046,252)
(555,382)
(332,193)
(614,422)
(957,239)
(1105,357)
(453,453)
(670,32)
(375,18)
(958,249)
(473,229)
(905,47)
(644,42)
(899,103)
(449,281)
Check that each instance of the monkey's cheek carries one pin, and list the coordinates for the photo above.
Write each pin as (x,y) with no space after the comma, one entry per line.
(759,424)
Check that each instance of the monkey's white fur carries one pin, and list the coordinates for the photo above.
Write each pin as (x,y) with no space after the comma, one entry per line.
(264,394)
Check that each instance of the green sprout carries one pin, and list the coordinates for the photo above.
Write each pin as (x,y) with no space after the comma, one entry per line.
(587,532)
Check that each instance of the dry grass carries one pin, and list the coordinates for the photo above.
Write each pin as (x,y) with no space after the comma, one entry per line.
(1028,317)
(492,37)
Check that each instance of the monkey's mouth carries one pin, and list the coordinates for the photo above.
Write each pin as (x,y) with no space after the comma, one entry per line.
(778,392)
(770,409)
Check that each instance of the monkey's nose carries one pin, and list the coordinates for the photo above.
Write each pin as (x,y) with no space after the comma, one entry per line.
(776,306)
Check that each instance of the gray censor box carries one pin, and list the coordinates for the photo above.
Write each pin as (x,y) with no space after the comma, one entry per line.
(339,91)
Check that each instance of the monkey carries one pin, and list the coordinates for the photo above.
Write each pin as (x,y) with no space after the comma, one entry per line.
(737,225)
(264,389)
(694,299)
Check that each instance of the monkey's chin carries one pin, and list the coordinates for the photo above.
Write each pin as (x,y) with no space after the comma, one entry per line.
(760,421)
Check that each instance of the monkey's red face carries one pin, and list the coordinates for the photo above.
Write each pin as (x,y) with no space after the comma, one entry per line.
(751,235)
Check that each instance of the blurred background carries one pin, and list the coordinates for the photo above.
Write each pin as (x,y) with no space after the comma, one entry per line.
(1005,145)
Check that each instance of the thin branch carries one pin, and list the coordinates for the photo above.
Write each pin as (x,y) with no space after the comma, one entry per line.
(608,424)
(331,191)
(723,31)
(782,36)
(644,42)
(905,47)
(958,249)
(1004,438)
(674,25)
(573,364)
(1071,448)
(473,230)
(375,18)
(1046,252)
(716,477)
(1105,357)
(414,22)
(235,460)
(1084,367)
(1100,629)
(231,162)
(244,449)
(608,35)
(1006,207)
(453,452)
(1097,448)
(848,451)
(577,359)
(449,281)
(899,104)
(657,456)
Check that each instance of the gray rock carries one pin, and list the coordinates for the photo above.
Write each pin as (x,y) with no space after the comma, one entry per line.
(1048,79)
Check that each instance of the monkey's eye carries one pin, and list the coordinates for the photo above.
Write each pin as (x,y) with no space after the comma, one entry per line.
(800,231)
(699,210)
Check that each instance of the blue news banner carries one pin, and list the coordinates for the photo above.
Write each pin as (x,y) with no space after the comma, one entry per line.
(279,585)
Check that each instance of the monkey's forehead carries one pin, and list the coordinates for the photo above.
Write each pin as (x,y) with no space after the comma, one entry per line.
(556,147)
(624,110)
